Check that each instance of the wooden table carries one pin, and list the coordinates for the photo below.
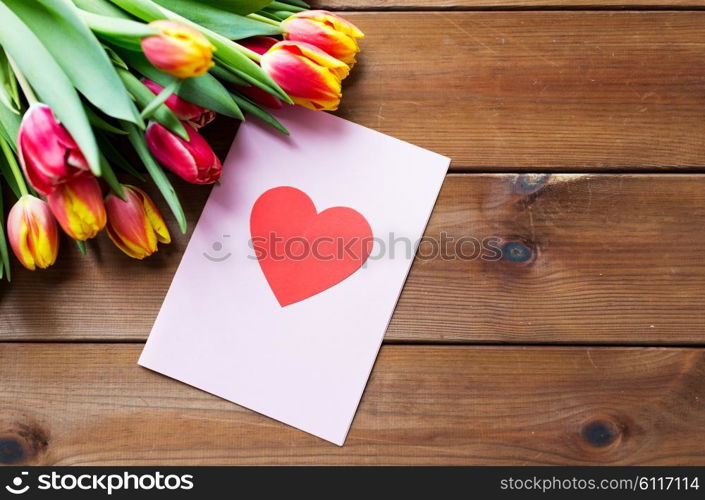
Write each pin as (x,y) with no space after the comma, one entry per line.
(576,129)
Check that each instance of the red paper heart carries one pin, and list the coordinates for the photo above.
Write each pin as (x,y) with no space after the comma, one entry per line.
(302,252)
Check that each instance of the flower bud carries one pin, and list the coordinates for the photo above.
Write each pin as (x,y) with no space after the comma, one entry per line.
(327,31)
(178,49)
(78,206)
(135,225)
(193,160)
(48,154)
(307,74)
(32,233)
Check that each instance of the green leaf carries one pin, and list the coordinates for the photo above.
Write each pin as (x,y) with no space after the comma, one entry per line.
(59,27)
(223,74)
(228,24)
(49,81)
(157,174)
(9,96)
(298,3)
(99,122)
(124,32)
(250,107)
(115,58)
(102,8)
(227,52)
(144,96)
(110,178)
(282,6)
(238,6)
(10,124)
(4,254)
(205,90)
(9,176)
(116,157)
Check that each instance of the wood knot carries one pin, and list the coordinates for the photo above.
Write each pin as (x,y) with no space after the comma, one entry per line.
(601,433)
(526,184)
(518,251)
(11,450)
(23,444)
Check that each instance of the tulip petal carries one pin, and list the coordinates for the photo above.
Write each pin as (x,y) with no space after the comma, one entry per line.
(154,216)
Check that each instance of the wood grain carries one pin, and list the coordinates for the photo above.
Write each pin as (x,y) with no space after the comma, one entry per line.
(377,5)
(91,405)
(592,258)
(514,91)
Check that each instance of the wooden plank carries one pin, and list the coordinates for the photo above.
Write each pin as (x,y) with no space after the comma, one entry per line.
(586,258)
(377,5)
(541,90)
(82,404)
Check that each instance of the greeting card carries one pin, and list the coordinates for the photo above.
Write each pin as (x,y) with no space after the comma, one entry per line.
(284,293)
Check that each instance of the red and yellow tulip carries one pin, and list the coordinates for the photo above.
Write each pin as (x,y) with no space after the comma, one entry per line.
(48,154)
(193,160)
(310,76)
(333,34)
(78,207)
(178,49)
(135,225)
(32,232)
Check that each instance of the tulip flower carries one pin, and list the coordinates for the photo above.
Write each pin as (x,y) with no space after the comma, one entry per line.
(178,49)
(48,154)
(184,110)
(193,160)
(311,77)
(32,232)
(260,45)
(135,225)
(78,206)
(327,31)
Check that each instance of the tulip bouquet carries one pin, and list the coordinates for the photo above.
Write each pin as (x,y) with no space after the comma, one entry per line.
(81,80)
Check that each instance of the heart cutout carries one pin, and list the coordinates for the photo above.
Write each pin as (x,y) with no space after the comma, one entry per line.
(303,252)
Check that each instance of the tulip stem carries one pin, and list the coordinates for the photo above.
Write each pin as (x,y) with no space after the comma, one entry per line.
(263,19)
(16,172)
(24,84)
(160,99)
(81,247)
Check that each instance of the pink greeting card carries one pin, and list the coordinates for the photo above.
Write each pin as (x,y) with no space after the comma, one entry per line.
(287,286)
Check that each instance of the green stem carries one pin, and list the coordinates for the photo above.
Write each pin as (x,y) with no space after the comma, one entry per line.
(160,99)
(16,172)
(24,84)
(262,19)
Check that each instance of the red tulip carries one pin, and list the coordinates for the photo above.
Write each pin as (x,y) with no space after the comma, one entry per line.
(193,160)
(184,110)
(78,206)
(32,233)
(48,154)
(135,225)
